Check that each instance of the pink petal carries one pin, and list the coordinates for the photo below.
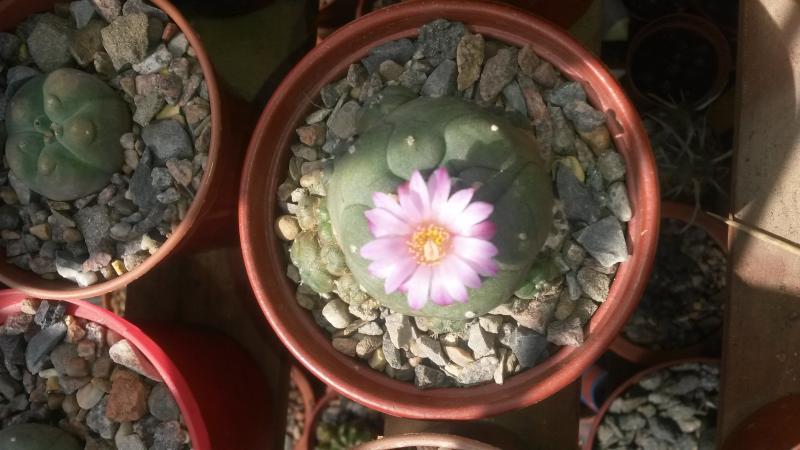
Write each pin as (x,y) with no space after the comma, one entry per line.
(450,279)
(439,188)
(439,293)
(383,223)
(418,286)
(384,248)
(382,268)
(404,268)
(417,186)
(484,230)
(485,268)
(473,248)
(465,274)
(412,206)
(387,202)
(455,205)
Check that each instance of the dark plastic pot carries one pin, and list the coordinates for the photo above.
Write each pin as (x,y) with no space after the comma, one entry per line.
(209,219)
(266,166)
(771,427)
(638,354)
(662,39)
(221,411)
(334,15)
(630,382)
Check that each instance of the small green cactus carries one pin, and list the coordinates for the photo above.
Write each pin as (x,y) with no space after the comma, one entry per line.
(342,437)
(63,134)
(31,436)
(402,133)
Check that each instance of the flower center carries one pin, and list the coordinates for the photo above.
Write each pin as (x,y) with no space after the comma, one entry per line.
(429,243)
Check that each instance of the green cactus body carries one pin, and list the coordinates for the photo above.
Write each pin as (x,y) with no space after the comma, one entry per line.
(63,134)
(37,437)
(402,133)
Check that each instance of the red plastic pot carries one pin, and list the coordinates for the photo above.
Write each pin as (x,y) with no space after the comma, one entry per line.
(266,166)
(630,382)
(638,354)
(220,391)
(209,219)
(425,440)
(771,427)
(691,24)
(563,13)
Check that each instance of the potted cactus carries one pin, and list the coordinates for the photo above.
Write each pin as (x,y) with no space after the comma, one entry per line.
(454,210)
(111,132)
(109,383)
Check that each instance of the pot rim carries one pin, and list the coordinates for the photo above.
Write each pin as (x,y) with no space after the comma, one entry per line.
(425,440)
(10,300)
(263,252)
(36,286)
(639,354)
(697,25)
(309,403)
(627,384)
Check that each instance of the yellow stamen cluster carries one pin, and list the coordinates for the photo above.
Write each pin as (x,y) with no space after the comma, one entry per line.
(429,244)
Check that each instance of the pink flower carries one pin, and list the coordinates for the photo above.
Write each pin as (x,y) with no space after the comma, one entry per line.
(428,243)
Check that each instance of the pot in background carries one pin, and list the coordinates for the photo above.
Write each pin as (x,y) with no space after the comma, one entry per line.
(639,354)
(658,56)
(630,382)
(309,403)
(266,165)
(219,414)
(209,219)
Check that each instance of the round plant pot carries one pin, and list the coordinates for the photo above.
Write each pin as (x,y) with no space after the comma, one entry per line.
(638,354)
(266,165)
(563,13)
(662,39)
(426,440)
(630,382)
(210,403)
(309,402)
(771,427)
(209,219)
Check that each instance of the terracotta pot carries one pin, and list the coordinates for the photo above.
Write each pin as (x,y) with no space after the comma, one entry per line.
(266,167)
(213,407)
(771,427)
(598,419)
(428,440)
(309,403)
(694,26)
(210,218)
(638,354)
(563,13)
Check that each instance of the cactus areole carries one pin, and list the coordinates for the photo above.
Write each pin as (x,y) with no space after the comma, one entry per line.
(454,246)
(64,132)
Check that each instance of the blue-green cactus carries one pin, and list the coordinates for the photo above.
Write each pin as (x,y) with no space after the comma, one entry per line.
(63,134)
(401,134)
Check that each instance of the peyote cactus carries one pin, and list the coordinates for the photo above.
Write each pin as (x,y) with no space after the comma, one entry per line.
(63,134)
(401,136)
(37,437)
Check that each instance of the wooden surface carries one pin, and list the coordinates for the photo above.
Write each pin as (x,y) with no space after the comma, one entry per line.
(551,424)
(761,354)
